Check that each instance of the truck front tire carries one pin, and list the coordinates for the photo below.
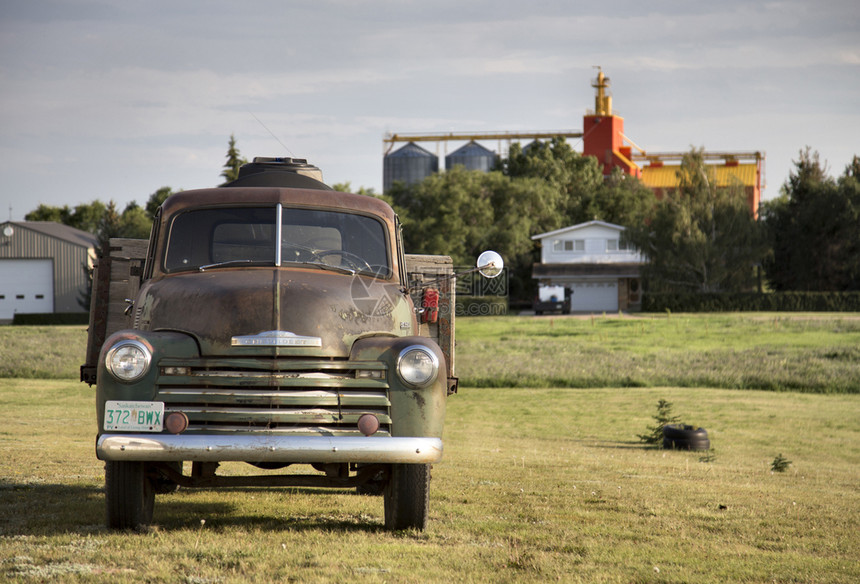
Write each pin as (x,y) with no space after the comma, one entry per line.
(129,495)
(406,497)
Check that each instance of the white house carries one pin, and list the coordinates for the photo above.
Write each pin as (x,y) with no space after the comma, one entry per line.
(599,271)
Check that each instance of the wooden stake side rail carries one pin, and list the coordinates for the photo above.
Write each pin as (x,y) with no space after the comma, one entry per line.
(430,268)
(116,276)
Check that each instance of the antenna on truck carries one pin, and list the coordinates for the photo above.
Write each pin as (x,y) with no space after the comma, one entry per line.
(272,134)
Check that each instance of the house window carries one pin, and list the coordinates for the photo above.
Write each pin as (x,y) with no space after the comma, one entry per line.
(618,245)
(562,245)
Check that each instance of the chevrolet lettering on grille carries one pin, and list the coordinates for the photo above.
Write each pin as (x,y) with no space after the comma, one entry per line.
(276,339)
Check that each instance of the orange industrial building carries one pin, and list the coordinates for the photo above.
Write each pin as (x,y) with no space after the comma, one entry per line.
(602,137)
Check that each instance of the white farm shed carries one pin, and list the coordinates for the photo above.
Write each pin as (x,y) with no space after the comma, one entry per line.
(598,270)
(42,267)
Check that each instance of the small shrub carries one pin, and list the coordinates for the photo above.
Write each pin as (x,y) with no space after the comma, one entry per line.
(661,418)
(780,464)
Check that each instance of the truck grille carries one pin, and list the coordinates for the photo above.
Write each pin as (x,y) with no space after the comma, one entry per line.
(282,396)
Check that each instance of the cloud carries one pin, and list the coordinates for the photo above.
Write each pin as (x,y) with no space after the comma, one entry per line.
(150,91)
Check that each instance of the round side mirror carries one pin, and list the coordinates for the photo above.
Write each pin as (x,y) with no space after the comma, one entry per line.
(490,264)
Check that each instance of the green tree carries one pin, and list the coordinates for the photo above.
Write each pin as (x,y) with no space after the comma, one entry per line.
(623,199)
(100,219)
(575,178)
(110,225)
(346,187)
(155,201)
(84,216)
(462,213)
(849,187)
(134,222)
(700,238)
(813,228)
(48,213)
(234,162)
(87,217)
(447,213)
(584,194)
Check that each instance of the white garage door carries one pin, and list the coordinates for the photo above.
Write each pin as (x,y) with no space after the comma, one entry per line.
(594,296)
(26,286)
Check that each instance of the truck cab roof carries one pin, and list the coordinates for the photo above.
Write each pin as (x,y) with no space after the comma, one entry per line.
(279,172)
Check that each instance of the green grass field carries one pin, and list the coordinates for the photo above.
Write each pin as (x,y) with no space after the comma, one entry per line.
(807,352)
(538,483)
(42,352)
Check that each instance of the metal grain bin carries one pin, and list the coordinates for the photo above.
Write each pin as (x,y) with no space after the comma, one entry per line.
(409,164)
(472,156)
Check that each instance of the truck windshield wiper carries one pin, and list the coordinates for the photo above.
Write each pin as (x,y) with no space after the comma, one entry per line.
(340,269)
(222,264)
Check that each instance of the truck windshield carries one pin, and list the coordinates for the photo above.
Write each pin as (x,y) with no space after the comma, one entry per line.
(235,236)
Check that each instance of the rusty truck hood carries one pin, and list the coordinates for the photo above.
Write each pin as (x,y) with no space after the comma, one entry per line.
(218,305)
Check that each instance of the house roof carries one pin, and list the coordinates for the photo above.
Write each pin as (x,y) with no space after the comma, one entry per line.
(58,231)
(577,227)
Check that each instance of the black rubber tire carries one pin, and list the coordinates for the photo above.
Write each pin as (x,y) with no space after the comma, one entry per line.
(683,437)
(407,497)
(129,495)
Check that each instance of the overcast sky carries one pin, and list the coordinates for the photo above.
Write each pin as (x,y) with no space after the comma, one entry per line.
(112,99)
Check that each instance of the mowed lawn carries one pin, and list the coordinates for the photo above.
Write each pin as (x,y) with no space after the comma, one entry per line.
(537,484)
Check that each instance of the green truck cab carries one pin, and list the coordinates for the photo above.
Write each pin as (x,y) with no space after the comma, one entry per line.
(272,321)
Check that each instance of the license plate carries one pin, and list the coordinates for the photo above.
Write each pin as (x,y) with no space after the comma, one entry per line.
(135,416)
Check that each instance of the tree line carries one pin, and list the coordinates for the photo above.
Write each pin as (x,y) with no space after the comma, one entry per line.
(537,188)
(697,238)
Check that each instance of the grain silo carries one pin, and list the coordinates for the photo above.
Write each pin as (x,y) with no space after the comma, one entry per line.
(472,156)
(533,144)
(408,165)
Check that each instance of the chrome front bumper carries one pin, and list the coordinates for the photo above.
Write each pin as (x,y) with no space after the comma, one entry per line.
(293,449)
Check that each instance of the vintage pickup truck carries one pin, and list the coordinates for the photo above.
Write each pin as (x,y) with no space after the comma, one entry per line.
(276,322)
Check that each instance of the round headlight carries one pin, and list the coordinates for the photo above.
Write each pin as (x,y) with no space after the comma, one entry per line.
(128,360)
(417,366)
